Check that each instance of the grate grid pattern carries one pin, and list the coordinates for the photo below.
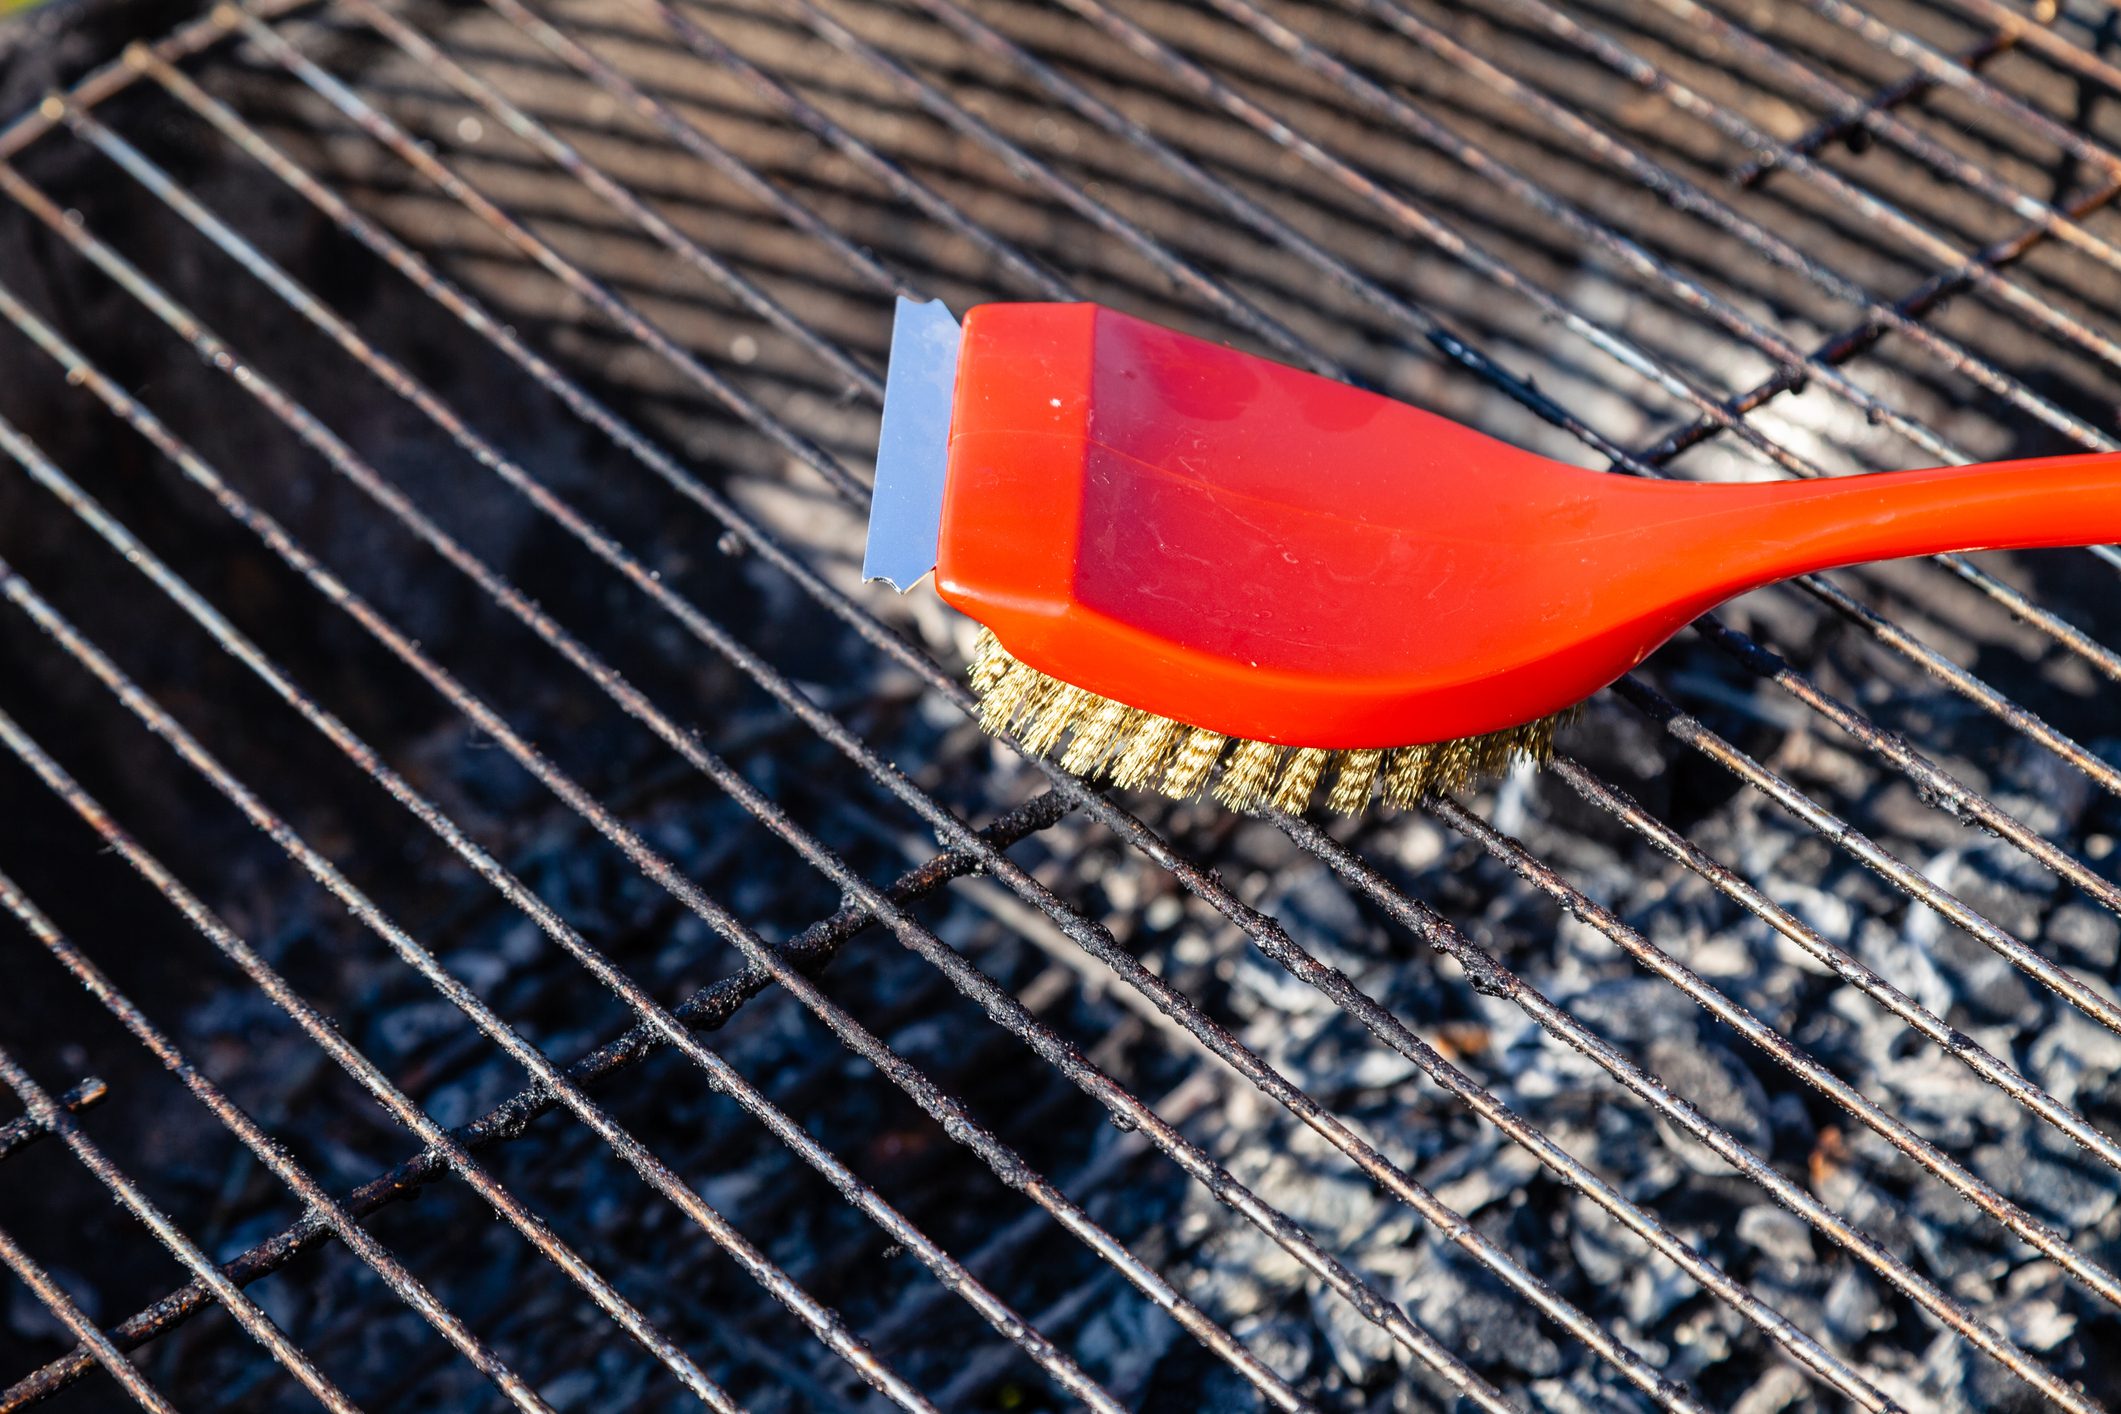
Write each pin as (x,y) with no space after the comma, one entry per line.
(1217,69)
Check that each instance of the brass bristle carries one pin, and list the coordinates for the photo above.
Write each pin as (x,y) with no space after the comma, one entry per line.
(990,663)
(1196,757)
(1452,764)
(1056,712)
(1099,736)
(1299,779)
(1142,759)
(1139,750)
(1357,778)
(1406,775)
(1248,776)
(1013,687)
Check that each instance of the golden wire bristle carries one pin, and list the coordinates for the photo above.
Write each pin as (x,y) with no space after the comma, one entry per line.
(1357,778)
(1406,773)
(1099,736)
(1190,768)
(1013,685)
(1138,750)
(1299,779)
(990,662)
(1055,715)
(1249,775)
(1142,759)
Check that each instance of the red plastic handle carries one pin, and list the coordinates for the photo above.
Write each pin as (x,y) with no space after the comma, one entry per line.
(1244,546)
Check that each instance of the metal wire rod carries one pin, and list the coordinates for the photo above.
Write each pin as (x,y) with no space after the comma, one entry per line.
(114,76)
(564,155)
(1897,94)
(315,1197)
(1844,965)
(1425,923)
(707,1009)
(22,1131)
(1629,354)
(1946,72)
(341,457)
(129,1376)
(1640,1220)
(2042,1236)
(259,1326)
(2055,48)
(824,1322)
(650,584)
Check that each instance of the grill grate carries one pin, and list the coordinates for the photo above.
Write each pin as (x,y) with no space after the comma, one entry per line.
(1299,268)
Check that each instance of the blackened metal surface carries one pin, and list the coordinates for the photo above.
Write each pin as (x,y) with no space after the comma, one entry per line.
(381,736)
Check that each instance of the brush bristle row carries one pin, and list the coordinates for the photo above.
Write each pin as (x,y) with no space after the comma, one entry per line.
(1357,779)
(1198,751)
(1138,750)
(1248,775)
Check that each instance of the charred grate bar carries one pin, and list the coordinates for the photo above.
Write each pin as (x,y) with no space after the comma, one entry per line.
(1263,170)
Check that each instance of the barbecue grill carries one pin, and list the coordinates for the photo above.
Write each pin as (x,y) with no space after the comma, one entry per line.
(448,755)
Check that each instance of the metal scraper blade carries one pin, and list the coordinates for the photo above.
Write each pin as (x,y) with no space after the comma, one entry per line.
(912,452)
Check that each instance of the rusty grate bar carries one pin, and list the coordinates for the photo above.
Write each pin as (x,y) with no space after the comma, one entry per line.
(314,1196)
(126,1192)
(708,1009)
(1849,126)
(406,261)
(70,1314)
(782,690)
(372,121)
(22,1131)
(983,851)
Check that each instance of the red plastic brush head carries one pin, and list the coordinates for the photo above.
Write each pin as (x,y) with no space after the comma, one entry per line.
(1174,543)
(1240,545)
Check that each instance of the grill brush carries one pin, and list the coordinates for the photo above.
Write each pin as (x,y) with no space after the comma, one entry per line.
(1199,566)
